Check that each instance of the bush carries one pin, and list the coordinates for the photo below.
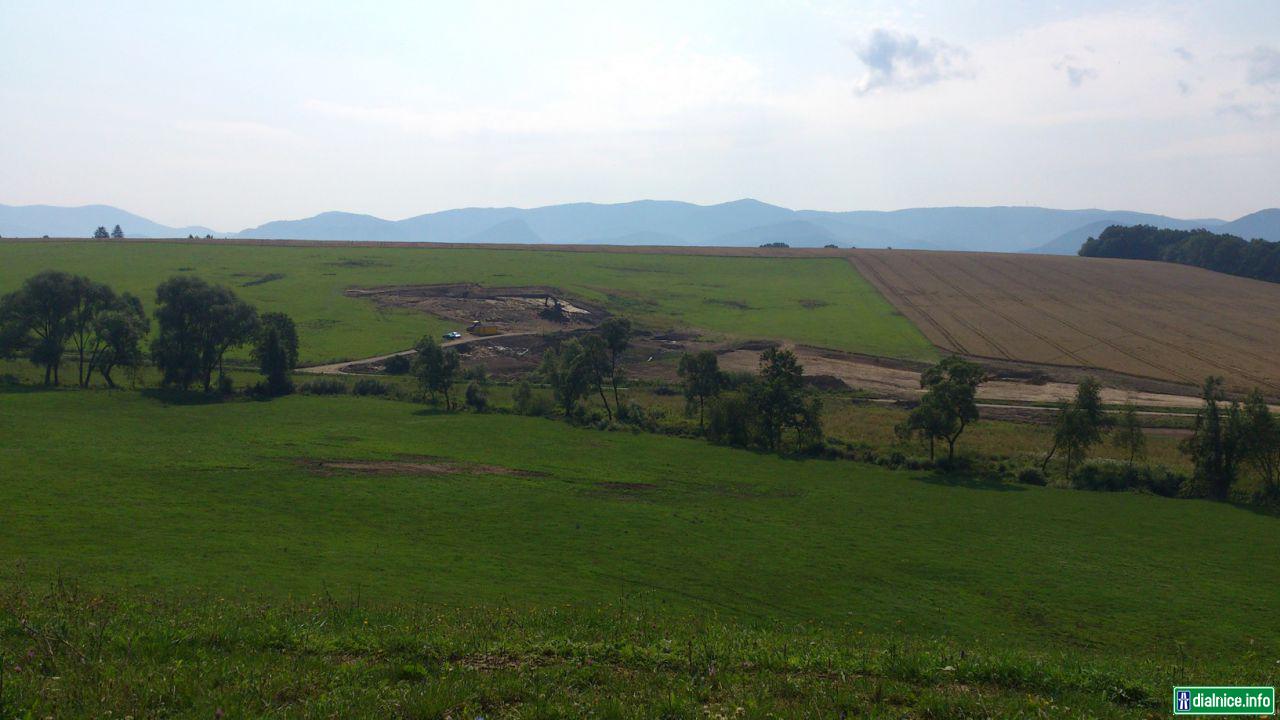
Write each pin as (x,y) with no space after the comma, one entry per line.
(225,385)
(476,398)
(369,386)
(323,387)
(1031,476)
(727,421)
(397,365)
(1113,476)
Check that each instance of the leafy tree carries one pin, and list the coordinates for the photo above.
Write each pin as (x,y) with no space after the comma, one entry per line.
(598,367)
(568,373)
(1261,442)
(777,397)
(288,337)
(929,421)
(436,368)
(88,300)
(198,323)
(702,380)
(119,331)
(616,332)
(1128,435)
(117,233)
(522,397)
(1215,443)
(1079,425)
(101,233)
(37,319)
(951,387)
(271,351)
(477,399)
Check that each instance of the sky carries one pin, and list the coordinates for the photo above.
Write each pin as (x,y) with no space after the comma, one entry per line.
(230,114)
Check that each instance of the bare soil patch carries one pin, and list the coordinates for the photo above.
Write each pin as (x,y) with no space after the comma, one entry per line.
(1165,322)
(483,311)
(421,466)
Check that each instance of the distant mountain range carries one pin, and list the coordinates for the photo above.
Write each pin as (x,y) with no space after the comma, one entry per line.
(659,222)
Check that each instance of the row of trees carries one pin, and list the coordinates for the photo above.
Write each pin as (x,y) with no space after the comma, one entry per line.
(102,234)
(1225,253)
(55,313)
(1227,440)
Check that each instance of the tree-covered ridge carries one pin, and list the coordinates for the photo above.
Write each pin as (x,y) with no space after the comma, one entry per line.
(1258,259)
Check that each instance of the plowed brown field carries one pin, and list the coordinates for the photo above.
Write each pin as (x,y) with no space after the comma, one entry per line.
(1149,319)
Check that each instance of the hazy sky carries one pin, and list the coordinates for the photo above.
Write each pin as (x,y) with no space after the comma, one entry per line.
(229,114)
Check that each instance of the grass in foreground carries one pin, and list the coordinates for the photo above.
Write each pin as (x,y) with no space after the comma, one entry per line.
(68,653)
(817,301)
(124,491)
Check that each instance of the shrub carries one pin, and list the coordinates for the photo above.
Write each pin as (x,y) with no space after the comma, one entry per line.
(476,398)
(369,386)
(1113,476)
(323,387)
(397,365)
(1031,476)
(225,385)
(727,421)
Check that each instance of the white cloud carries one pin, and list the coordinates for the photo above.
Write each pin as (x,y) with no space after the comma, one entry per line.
(901,60)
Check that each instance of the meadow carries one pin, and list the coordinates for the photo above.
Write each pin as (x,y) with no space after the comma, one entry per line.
(819,301)
(320,556)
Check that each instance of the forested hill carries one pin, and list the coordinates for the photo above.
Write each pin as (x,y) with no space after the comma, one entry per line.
(1224,253)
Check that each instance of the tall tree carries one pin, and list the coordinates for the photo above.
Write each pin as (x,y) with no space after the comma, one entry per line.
(198,324)
(702,380)
(598,366)
(568,373)
(616,332)
(89,299)
(37,319)
(777,397)
(951,387)
(1128,435)
(117,233)
(101,233)
(1215,442)
(929,421)
(436,368)
(1261,443)
(1079,425)
(288,333)
(118,333)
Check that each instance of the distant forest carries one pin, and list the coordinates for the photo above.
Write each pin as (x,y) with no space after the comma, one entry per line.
(1258,259)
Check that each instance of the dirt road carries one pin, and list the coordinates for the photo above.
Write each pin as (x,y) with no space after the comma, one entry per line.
(341,368)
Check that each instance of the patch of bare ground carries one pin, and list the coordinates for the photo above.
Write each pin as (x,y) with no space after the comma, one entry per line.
(1161,321)
(417,466)
(484,311)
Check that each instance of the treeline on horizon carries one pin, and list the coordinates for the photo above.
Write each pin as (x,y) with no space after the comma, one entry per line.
(1258,259)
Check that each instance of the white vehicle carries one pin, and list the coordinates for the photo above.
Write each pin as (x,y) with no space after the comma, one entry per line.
(454,335)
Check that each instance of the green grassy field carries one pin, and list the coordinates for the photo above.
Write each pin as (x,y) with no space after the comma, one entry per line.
(224,501)
(631,575)
(817,301)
